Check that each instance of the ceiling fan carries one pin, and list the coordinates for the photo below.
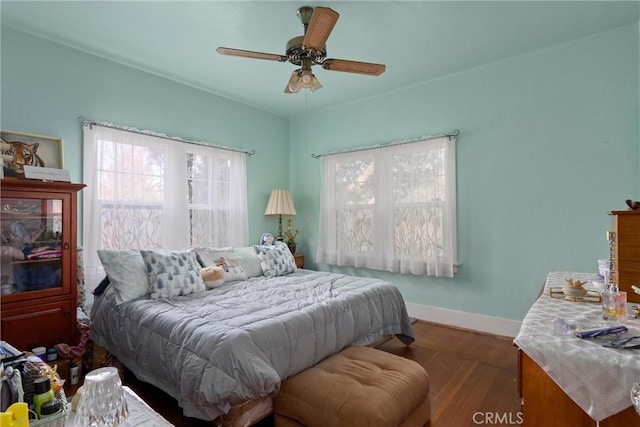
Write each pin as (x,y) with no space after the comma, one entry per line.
(310,49)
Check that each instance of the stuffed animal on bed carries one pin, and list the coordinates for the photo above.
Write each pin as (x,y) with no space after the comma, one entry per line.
(266,239)
(213,276)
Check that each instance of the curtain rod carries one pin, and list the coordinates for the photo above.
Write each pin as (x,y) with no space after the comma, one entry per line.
(109,125)
(451,135)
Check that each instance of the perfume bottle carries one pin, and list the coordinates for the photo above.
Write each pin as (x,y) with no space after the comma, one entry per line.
(614,303)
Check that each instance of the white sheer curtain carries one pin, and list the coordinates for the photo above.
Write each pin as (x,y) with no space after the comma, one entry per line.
(217,197)
(145,191)
(391,208)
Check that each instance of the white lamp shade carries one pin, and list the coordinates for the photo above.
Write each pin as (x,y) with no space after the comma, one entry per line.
(280,203)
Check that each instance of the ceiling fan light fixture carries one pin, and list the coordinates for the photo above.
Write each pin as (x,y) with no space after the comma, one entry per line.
(295,82)
(302,79)
(313,85)
(306,78)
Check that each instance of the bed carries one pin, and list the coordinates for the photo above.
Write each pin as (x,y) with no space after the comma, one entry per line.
(233,344)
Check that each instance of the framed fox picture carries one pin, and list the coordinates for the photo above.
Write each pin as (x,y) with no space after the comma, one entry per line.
(23,149)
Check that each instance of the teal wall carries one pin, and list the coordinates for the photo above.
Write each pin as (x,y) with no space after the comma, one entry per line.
(47,86)
(548,145)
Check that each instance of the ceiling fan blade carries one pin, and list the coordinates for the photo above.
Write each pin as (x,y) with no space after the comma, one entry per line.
(353,67)
(250,54)
(322,22)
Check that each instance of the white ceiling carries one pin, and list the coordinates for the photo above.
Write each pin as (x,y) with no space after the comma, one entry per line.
(417,40)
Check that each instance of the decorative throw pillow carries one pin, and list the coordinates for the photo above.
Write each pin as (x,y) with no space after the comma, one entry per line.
(249,260)
(172,273)
(208,256)
(226,258)
(276,260)
(126,272)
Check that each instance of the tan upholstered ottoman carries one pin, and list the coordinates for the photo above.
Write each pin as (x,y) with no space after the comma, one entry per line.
(359,386)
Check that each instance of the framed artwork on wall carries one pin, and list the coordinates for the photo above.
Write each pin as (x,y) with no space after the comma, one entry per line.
(23,149)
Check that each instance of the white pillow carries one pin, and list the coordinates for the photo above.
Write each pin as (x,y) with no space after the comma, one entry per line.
(225,258)
(126,272)
(172,273)
(276,260)
(207,257)
(249,260)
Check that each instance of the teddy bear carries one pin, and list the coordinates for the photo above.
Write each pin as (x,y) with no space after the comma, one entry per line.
(213,276)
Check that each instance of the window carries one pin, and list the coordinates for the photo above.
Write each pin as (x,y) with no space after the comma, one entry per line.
(391,208)
(145,191)
(216,196)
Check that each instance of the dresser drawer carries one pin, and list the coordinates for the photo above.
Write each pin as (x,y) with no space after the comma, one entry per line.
(627,273)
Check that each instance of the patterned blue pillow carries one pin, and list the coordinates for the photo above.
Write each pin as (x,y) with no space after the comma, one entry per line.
(172,273)
(276,260)
(126,272)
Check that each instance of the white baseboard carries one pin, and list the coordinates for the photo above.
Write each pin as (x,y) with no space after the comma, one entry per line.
(461,319)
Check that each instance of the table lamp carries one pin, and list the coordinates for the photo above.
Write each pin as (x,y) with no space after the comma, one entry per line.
(280,203)
(102,400)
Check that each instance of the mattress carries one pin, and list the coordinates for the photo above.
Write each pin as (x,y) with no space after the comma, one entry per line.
(237,342)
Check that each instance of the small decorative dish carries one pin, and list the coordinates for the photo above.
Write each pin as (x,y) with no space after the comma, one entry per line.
(574,292)
(589,296)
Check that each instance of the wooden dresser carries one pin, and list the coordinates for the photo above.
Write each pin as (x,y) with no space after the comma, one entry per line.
(566,381)
(544,403)
(625,226)
(38,262)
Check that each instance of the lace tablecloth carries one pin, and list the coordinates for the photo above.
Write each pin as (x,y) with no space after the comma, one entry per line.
(597,378)
(140,414)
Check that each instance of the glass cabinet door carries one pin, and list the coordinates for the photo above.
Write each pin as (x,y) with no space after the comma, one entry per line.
(32,244)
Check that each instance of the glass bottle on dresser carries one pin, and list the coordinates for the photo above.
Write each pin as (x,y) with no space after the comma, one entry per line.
(614,303)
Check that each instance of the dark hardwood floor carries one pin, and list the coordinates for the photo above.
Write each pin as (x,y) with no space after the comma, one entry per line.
(473,378)
(473,375)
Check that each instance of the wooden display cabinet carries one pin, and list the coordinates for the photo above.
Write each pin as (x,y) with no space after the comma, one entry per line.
(38,263)
(626,251)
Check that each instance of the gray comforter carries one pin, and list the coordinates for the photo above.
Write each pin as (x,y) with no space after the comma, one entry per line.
(238,342)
